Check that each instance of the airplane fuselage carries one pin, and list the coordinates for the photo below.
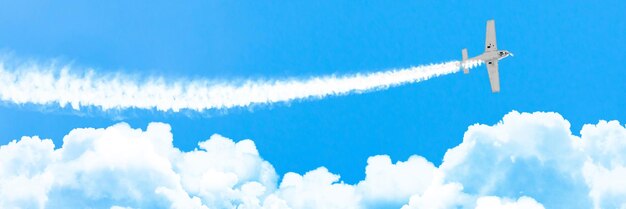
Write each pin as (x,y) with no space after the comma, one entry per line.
(493,55)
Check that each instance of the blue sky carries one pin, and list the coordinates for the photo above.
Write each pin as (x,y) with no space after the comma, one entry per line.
(569,59)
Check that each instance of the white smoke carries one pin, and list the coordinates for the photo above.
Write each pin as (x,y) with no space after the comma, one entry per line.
(49,85)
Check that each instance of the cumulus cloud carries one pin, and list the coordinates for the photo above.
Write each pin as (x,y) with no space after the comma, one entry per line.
(124,167)
(524,154)
(525,161)
(389,182)
(440,195)
(491,202)
(605,167)
(317,189)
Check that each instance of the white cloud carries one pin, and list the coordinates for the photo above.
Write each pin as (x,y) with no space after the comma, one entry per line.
(491,202)
(125,167)
(525,161)
(39,84)
(607,186)
(439,196)
(385,181)
(23,181)
(524,154)
(317,189)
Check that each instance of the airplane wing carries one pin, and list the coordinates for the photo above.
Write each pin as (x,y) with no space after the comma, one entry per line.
(490,38)
(494,78)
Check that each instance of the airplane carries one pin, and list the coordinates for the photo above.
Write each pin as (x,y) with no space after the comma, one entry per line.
(491,56)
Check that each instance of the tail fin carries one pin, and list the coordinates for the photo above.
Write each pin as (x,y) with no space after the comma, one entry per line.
(463,64)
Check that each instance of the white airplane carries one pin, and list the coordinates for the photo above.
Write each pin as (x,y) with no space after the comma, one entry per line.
(491,56)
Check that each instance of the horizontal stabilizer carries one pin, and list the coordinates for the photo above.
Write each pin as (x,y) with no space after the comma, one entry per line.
(463,64)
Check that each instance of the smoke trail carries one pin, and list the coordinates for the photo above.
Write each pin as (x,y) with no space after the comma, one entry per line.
(41,85)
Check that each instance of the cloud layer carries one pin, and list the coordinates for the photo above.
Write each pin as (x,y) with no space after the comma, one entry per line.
(50,84)
(525,161)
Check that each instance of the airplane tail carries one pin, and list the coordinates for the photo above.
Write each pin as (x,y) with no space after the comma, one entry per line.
(463,64)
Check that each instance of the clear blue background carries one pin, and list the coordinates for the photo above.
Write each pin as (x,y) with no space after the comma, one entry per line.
(569,59)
